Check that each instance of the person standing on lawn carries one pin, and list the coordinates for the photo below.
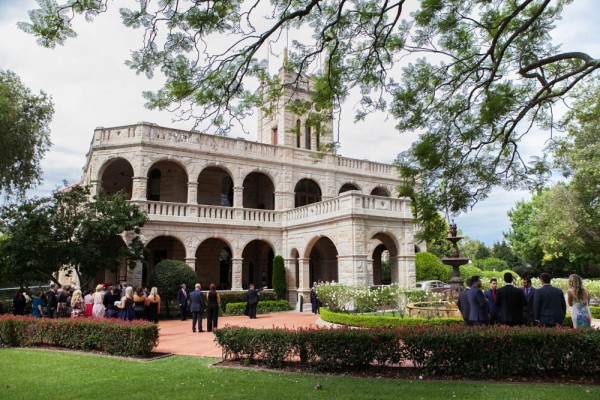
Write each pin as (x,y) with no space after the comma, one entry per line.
(510,302)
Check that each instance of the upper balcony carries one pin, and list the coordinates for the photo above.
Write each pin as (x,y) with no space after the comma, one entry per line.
(347,205)
(147,133)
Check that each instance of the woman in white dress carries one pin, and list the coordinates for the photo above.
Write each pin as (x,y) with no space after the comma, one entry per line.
(579,298)
(98,309)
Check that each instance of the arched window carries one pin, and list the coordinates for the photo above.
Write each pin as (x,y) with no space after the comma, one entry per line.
(307,192)
(307,136)
(154,185)
(298,133)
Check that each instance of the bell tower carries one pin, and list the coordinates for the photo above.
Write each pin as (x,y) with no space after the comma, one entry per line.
(291,121)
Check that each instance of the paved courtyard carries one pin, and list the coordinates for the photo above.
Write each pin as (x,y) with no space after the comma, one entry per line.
(177,337)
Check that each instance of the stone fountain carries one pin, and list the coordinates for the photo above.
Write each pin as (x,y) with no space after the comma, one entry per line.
(455,261)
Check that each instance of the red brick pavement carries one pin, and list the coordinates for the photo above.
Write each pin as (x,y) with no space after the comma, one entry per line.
(176,336)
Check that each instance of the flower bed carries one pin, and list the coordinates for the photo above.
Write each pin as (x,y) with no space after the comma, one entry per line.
(109,336)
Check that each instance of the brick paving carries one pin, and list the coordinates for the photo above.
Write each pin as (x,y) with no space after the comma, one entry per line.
(176,336)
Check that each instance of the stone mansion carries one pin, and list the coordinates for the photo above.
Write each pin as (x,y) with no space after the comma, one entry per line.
(227,206)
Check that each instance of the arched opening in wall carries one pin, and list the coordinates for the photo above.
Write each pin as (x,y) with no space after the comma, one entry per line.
(117,176)
(385,259)
(215,187)
(298,133)
(259,192)
(296,257)
(213,263)
(306,192)
(323,264)
(417,249)
(168,182)
(380,191)
(161,248)
(257,264)
(307,137)
(346,187)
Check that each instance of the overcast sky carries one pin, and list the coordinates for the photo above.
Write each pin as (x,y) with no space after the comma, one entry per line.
(90,87)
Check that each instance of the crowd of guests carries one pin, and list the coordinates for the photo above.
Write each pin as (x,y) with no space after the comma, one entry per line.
(105,301)
(513,306)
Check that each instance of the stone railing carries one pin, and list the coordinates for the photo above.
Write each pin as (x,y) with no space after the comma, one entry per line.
(348,203)
(150,133)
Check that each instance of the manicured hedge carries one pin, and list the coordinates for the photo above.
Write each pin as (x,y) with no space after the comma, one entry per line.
(228,296)
(110,336)
(476,352)
(381,321)
(595,310)
(264,307)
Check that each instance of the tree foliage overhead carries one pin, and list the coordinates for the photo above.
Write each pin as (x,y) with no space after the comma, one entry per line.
(24,134)
(68,231)
(491,73)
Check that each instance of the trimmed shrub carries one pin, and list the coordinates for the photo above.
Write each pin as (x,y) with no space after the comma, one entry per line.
(264,307)
(383,321)
(168,275)
(279,285)
(228,297)
(440,350)
(595,311)
(111,336)
(429,267)
(467,271)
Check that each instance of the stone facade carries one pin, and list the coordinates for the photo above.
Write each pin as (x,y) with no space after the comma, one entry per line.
(228,206)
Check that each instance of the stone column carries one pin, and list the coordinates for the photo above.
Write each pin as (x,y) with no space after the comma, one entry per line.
(95,186)
(191,261)
(134,276)
(192,193)
(138,191)
(236,273)
(238,197)
(304,280)
(395,271)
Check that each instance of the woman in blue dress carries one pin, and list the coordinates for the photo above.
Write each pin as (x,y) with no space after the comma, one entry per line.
(37,305)
(579,299)
(127,312)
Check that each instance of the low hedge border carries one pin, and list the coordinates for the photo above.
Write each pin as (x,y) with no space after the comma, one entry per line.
(111,336)
(382,321)
(264,307)
(229,296)
(474,352)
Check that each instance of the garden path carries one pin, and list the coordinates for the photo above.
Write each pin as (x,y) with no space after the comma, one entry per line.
(176,336)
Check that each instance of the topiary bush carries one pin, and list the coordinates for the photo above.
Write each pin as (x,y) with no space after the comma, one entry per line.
(429,267)
(278,281)
(467,271)
(168,275)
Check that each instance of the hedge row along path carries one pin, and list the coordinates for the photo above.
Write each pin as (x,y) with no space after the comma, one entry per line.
(176,337)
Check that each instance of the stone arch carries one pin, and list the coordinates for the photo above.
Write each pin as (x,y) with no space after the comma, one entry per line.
(323,262)
(259,191)
(162,248)
(257,263)
(116,175)
(306,192)
(168,182)
(113,276)
(215,186)
(417,249)
(384,250)
(348,186)
(214,263)
(380,191)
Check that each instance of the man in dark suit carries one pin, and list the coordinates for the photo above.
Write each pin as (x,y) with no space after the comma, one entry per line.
(529,293)
(182,299)
(252,295)
(549,305)
(510,302)
(51,300)
(197,305)
(490,296)
(477,303)
(463,302)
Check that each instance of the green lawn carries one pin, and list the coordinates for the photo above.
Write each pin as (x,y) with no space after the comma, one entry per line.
(41,374)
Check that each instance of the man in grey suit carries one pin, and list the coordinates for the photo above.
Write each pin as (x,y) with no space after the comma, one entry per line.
(197,304)
(463,302)
(478,313)
(549,305)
